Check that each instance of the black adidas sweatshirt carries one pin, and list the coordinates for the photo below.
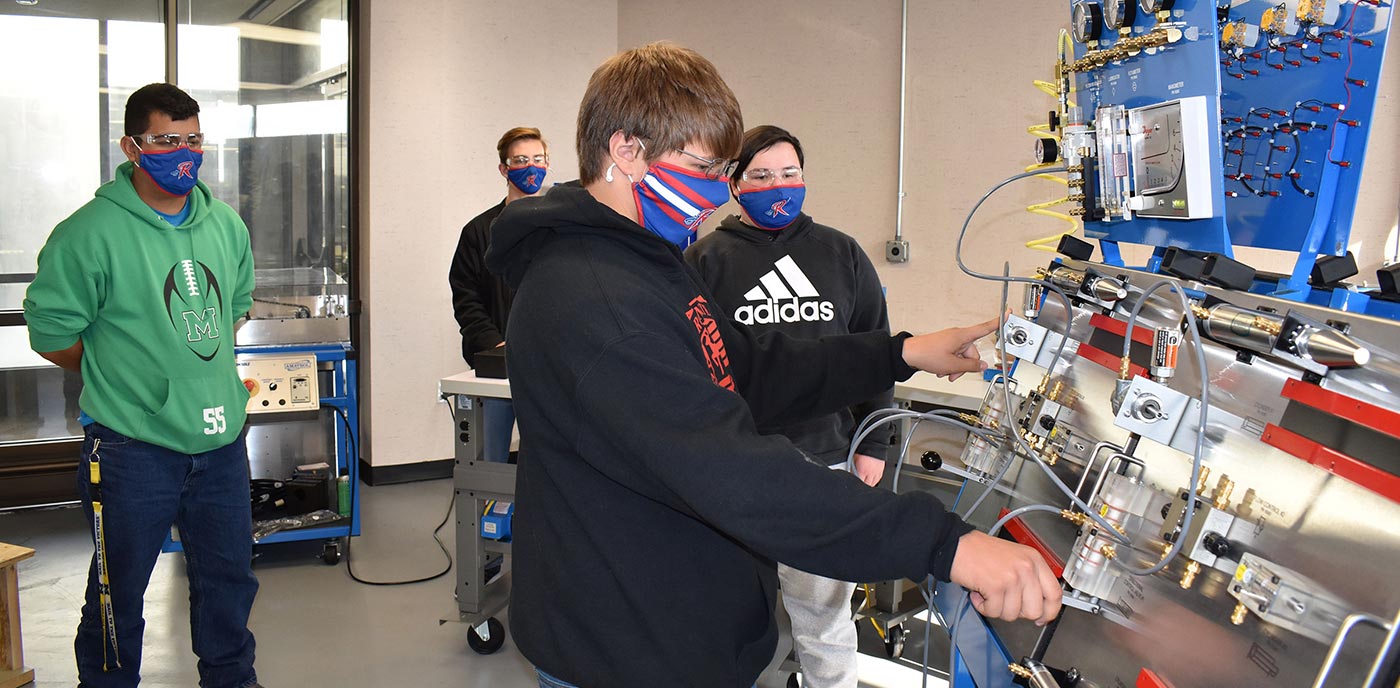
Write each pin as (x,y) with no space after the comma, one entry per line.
(649,509)
(807,280)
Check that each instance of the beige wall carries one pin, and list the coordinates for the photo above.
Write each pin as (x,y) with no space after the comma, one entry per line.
(445,79)
(826,69)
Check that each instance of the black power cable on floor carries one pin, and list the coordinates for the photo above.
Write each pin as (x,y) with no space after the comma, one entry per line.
(355,498)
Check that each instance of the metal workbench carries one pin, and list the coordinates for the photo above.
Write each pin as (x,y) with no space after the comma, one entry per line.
(476,482)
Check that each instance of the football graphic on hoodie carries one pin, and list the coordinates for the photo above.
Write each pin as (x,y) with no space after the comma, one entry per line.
(193,299)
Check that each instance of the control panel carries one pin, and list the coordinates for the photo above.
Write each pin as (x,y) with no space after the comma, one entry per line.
(279,383)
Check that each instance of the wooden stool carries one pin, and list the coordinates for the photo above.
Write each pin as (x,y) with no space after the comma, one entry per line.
(13,673)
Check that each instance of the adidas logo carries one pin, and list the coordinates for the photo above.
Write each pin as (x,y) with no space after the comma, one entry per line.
(780,298)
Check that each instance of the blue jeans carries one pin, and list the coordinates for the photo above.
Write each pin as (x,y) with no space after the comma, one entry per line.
(498,415)
(144,490)
(547,681)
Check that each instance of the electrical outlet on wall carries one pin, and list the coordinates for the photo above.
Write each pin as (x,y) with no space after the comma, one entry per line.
(897,251)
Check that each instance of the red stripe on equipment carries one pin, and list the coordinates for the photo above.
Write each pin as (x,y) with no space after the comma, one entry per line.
(1141,335)
(1020,532)
(1342,406)
(1334,462)
(1109,360)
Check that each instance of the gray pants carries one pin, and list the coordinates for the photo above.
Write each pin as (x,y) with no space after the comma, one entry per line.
(822,630)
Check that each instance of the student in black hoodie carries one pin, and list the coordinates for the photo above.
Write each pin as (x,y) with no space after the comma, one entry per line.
(481,300)
(650,509)
(774,269)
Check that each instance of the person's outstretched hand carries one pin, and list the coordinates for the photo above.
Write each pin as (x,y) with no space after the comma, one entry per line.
(1006,581)
(949,352)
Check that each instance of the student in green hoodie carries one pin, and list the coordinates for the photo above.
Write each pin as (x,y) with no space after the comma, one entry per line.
(138,291)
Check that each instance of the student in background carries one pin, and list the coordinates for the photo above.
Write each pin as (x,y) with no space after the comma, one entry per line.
(481,300)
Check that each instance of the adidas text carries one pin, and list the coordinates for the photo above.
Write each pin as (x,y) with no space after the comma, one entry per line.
(773,312)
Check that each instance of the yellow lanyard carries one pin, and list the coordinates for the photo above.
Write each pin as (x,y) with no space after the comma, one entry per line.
(104,586)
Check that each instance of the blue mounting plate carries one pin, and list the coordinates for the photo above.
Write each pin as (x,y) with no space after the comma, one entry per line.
(1243,86)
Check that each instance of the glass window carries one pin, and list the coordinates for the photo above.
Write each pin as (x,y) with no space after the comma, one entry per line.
(62,93)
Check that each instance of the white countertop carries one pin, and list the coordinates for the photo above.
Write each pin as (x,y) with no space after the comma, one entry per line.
(469,384)
(928,388)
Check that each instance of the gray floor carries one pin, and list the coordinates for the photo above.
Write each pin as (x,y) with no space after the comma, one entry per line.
(315,626)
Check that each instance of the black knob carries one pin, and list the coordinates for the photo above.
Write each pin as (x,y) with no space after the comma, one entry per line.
(931,461)
(1054,120)
(1216,544)
(1047,422)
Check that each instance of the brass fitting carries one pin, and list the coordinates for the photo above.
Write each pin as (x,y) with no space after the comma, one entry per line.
(1056,390)
(1237,616)
(1075,198)
(1125,48)
(1018,671)
(1125,368)
(1201,484)
(1223,488)
(1108,552)
(1077,212)
(1076,183)
(969,418)
(1273,328)
(1078,518)
(1188,577)
(1200,311)
(1075,169)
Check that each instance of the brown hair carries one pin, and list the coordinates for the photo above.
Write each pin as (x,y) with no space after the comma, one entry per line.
(509,138)
(665,95)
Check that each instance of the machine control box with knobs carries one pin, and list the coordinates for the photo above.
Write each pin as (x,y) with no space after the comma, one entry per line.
(279,383)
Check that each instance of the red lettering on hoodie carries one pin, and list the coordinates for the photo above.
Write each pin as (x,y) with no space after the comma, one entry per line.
(711,342)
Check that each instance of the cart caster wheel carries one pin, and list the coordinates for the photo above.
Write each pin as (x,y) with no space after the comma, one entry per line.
(894,641)
(792,682)
(330,554)
(485,646)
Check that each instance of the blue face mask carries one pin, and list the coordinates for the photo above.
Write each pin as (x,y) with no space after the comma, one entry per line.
(774,207)
(175,172)
(528,178)
(672,201)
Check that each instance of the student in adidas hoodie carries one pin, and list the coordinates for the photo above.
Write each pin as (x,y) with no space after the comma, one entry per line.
(138,291)
(650,509)
(774,269)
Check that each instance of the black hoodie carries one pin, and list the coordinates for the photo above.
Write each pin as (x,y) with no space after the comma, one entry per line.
(807,280)
(649,510)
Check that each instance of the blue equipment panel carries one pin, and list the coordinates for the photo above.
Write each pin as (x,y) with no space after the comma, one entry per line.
(1294,115)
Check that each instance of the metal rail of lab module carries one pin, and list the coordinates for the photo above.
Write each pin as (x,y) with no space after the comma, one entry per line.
(475,482)
(1314,472)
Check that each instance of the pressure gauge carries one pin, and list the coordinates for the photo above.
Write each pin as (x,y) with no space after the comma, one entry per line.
(1046,151)
(1118,13)
(1086,21)
(1155,6)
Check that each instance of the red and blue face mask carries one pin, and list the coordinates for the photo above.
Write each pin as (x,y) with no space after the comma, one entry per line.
(774,207)
(672,201)
(528,178)
(175,172)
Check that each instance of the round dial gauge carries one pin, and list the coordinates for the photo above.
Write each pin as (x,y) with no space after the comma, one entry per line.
(1155,6)
(1046,151)
(1118,13)
(1086,21)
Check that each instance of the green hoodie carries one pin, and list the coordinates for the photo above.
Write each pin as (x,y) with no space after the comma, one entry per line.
(154,306)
